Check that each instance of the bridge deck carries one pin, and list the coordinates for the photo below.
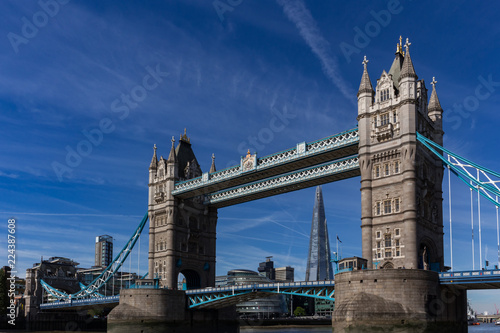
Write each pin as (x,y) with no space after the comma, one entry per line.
(488,279)
(81,303)
(225,296)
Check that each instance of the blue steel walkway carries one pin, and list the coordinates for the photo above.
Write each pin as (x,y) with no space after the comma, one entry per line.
(488,279)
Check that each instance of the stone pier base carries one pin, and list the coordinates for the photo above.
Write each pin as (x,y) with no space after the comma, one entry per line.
(165,311)
(397,300)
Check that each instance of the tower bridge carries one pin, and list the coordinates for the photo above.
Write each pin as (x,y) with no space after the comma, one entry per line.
(397,152)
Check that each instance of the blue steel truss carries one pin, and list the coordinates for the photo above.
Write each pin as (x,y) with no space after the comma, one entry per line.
(90,291)
(469,172)
(80,302)
(483,279)
(301,151)
(285,180)
(222,296)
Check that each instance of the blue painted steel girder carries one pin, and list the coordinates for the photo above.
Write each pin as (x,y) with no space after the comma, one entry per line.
(230,295)
(485,279)
(292,181)
(302,156)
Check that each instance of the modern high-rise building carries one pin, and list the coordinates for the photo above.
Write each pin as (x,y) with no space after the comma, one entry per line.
(319,265)
(266,268)
(103,250)
(284,274)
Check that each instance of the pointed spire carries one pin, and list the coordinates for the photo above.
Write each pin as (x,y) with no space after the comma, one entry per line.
(212,168)
(172,156)
(154,160)
(434,104)
(319,265)
(365,85)
(407,67)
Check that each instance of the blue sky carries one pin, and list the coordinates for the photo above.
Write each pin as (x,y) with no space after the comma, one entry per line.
(139,74)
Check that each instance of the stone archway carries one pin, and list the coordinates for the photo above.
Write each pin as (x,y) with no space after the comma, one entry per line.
(388,265)
(192,279)
(427,255)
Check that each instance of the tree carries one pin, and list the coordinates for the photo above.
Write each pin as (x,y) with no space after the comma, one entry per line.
(299,311)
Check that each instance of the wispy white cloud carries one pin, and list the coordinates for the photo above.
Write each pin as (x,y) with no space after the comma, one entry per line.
(297,12)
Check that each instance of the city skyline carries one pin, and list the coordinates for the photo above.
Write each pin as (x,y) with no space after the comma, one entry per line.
(88,88)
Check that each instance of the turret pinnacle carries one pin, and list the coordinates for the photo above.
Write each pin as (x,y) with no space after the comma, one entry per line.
(212,168)
(407,67)
(172,156)
(365,85)
(434,104)
(154,160)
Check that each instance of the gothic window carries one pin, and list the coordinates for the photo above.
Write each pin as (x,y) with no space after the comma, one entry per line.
(387,207)
(396,232)
(379,255)
(387,240)
(396,167)
(394,117)
(397,242)
(398,252)
(388,253)
(378,234)
(396,206)
(378,208)
(384,119)
(386,170)
(384,95)
(378,245)
(377,171)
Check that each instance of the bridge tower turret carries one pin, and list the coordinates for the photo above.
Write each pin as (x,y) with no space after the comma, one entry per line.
(182,232)
(401,195)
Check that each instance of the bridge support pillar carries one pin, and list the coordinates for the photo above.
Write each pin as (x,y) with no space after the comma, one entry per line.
(165,311)
(402,300)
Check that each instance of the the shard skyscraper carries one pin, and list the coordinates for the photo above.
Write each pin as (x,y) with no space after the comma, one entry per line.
(319,265)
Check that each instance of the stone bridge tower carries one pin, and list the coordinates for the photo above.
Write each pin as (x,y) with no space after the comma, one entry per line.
(182,233)
(401,192)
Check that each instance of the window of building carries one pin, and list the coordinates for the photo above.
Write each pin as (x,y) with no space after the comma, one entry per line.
(396,167)
(384,95)
(386,169)
(378,208)
(394,117)
(397,242)
(379,255)
(396,205)
(377,171)
(388,253)
(387,239)
(378,245)
(387,207)
(398,252)
(378,234)
(384,119)
(396,231)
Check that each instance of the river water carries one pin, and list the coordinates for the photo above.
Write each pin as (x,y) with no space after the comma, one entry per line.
(324,329)
(491,327)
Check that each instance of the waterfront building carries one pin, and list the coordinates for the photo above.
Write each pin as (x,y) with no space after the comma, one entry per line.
(319,265)
(268,307)
(103,250)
